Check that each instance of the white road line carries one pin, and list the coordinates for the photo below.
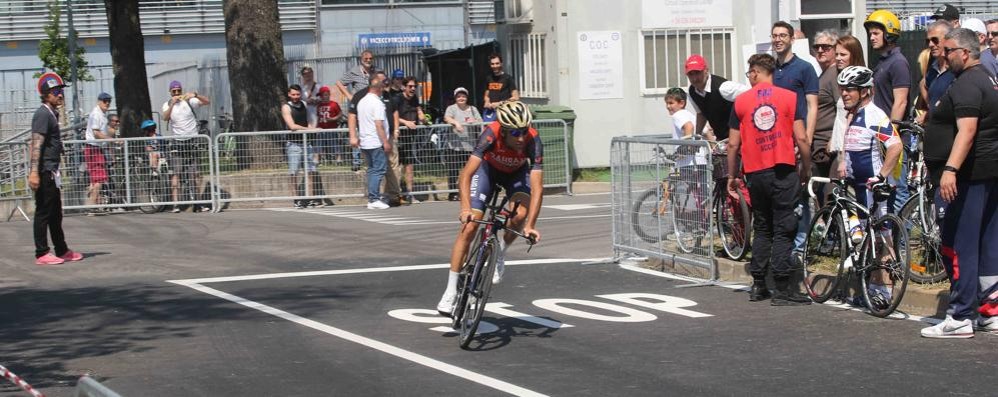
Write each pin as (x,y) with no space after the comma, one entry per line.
(269,276)
(576,207)
(371,343)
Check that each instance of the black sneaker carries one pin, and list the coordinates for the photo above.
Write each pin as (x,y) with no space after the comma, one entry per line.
(793,298)
(759,292)
(298,205)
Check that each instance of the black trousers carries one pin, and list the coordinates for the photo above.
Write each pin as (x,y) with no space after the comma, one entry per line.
(48,217)
(774,194)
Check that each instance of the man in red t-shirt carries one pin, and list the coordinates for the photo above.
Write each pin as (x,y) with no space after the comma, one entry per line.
(328,116)
(769,121)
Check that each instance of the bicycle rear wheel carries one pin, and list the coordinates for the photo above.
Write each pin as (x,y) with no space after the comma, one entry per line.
(734,224)
(151,191)
(686,217)
(919,215)
(646,216)
(480,287)
(885,276)
(825,250)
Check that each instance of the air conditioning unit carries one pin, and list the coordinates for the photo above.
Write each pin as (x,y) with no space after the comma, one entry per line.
(514,11)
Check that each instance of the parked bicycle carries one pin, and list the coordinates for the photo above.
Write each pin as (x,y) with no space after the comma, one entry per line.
(475,279)
(919,212)
(839,247)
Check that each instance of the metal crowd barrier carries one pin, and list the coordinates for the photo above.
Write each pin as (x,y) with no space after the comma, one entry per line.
(14,165)
(137,172)
(662,200)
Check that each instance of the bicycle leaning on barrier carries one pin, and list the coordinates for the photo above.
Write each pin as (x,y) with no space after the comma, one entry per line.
(873,249)
(920,213)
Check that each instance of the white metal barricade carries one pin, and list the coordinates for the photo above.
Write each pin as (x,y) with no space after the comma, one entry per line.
(14,166)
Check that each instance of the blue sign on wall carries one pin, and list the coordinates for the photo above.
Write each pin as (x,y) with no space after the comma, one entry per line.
(401,39)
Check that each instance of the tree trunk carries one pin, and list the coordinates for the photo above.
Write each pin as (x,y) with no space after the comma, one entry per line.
(257,76)
(131,90)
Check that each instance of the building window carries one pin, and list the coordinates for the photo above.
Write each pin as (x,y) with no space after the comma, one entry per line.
(526,63)
(664,53)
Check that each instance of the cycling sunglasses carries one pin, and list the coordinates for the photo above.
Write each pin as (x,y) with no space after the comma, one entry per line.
(517,132)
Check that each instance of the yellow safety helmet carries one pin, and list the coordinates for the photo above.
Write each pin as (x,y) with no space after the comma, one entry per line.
(885,20)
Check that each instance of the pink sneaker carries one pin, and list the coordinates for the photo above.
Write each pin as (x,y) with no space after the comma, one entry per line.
(49,259)
(71,256)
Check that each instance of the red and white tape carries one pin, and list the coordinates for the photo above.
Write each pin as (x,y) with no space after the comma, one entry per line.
(19,382)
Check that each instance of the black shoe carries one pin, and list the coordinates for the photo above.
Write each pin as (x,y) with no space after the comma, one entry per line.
(793,298)
(355,167)
(759,292)
(394,203)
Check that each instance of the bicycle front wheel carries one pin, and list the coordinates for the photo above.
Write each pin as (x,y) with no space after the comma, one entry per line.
(647,214)
(734,224)
(687,218)
(825,250)
(478,293)
(885,270)
(919,216)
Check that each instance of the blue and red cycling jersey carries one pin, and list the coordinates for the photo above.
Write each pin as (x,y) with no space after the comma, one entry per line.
(494,151)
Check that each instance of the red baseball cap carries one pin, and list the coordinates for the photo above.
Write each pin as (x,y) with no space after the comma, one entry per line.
(323,89)
(695,63)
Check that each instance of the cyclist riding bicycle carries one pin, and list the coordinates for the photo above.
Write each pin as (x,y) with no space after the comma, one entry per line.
(509,153)
(872,145)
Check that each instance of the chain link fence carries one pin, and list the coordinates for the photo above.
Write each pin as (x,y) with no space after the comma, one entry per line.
(14,164)
(662,193)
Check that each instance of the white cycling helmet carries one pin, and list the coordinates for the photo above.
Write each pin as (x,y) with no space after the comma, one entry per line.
(856,77)
(514,115)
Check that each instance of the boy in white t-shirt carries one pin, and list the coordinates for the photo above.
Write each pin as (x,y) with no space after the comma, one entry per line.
(684,122)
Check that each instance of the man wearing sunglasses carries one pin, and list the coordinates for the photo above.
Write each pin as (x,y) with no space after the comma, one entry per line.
(938,77)
(988,60)
(44,178)
(93,150)
(406,113)
(509,153)
(179,111)
(993,36)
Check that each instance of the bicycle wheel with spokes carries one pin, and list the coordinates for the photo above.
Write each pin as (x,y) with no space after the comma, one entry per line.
(825,250)
(464,279)
(919,215)
(885,271)
(151,191)
(685,217)
(477,297)
(647,215)
(734,224)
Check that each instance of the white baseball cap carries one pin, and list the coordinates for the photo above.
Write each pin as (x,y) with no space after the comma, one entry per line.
(460,90)
(974,24)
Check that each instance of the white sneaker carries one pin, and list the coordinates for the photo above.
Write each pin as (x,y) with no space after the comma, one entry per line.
(500,270)
(987,324)
(377,205)
(446,305)
(950,328)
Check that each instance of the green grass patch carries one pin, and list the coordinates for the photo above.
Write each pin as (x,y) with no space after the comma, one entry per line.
(600,174)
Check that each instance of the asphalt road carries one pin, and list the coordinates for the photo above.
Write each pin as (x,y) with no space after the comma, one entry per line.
(339,301)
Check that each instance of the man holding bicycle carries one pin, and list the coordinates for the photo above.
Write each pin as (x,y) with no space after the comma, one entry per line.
(509,153)
(179,111)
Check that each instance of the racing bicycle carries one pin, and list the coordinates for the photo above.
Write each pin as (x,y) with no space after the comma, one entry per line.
(874,252)
(919,212)
(475,277)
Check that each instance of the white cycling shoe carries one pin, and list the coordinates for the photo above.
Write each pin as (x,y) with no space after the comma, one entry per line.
(446,305)
(500,271)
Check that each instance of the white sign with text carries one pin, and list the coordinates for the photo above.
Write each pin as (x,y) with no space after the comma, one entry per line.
(601,65)
(674,14)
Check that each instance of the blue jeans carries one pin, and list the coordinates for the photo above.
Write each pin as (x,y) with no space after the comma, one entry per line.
(377,164)
(803,224)
(901,194)
(356,157)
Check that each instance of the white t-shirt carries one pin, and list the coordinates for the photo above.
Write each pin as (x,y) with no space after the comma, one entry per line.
(182,120)
(96,121)
(679,119)
(370,110)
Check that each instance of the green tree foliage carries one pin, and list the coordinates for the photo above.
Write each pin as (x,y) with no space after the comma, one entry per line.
(54,50)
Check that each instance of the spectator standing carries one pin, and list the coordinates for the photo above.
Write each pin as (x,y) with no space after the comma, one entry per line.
(328,117)
(828,97)
(988,60)
(500,87)
(397,86)
(461,142)
(113,126)
(993,37)
(93,149)
(962,151)
(373,139)
(300,153)
(712,96)
(408,113)
(947,13)
(184,158)
(848,52)
(309,90)
(44,178)
(891,83)
(393,191)
(938,77)
(771,119)
(798,76)
(352,82)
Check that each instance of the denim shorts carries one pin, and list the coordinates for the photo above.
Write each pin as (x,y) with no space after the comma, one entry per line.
(296,157)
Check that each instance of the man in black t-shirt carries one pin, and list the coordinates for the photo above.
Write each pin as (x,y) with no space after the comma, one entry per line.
(500,87)
(392,188)
(961,151)
(407,113)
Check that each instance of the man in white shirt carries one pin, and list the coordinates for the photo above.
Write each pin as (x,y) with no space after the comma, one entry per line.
(179,111)
(711,96)
(93,150)
(372,131)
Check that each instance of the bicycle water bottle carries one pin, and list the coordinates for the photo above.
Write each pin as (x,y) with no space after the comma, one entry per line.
(855,230)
